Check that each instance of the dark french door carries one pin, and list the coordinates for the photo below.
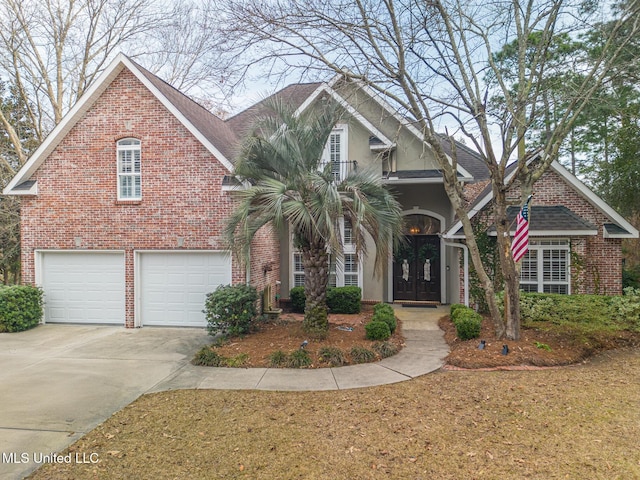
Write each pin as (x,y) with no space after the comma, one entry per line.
(416,269)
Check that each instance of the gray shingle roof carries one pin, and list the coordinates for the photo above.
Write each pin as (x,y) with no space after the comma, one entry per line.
(615,229)
(212,127)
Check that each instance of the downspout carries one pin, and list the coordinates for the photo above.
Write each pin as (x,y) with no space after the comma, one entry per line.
(465,251)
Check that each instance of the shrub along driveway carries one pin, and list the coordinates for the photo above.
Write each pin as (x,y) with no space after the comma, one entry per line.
(58,382)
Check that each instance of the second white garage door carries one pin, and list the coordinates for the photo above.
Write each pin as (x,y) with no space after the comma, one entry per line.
(173,285)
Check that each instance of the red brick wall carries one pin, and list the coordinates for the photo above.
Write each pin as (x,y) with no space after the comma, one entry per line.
(599,266)
(77,194)
(600,269)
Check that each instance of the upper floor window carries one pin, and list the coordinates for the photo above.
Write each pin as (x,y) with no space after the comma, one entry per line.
(129,184)
(336,152)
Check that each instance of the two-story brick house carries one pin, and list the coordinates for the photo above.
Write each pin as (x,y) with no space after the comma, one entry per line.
(123,207)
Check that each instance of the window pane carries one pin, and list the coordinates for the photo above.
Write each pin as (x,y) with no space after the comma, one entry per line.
(555,265)
(351,280)
(298,280)
(529,287)
(348,233)
(126,187)
(562,289)
(529,272)
(350,263)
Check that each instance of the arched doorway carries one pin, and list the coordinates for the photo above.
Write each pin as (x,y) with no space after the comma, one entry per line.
(416,263)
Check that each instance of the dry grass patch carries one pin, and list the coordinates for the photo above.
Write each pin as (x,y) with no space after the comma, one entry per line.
(571,422)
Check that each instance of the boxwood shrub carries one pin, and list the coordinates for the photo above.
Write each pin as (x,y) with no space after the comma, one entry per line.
(344,299)
(298,299)
(386,316)
(467,321)
(20,307)
(382,307)
(377,330)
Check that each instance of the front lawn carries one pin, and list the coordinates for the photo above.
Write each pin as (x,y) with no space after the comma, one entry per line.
(570,422)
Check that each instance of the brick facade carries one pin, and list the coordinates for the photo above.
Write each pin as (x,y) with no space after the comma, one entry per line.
(182,196)
(596,261)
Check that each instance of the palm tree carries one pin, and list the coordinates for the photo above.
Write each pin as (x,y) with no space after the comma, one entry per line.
(282,161)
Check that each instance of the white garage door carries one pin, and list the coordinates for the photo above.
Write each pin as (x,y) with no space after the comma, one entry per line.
(173,285)
(83,287)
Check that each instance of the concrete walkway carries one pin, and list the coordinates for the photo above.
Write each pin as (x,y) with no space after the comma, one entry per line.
(58,382)
(424,352)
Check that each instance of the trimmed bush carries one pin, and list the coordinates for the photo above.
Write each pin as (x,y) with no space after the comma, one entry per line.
(377,330)
(362,354)
(468,322)
(454,307)
(298,359)
(20,307)
(382,307)
(387,317)
(333,356)
(231,309)
(468,326)
(344,299)
(385,349)
(298,299)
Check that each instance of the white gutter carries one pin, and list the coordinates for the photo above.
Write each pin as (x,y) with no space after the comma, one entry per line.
(465,251)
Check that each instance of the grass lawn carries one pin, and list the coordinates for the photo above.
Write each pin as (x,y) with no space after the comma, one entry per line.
(577,422)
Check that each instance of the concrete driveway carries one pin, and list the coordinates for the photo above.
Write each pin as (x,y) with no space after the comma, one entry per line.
(57,382)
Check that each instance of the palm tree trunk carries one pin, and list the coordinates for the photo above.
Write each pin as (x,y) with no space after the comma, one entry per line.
(315,260)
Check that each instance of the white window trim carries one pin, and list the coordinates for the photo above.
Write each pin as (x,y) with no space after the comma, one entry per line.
(342,130)
(133,175)
(540,245)
(348,249)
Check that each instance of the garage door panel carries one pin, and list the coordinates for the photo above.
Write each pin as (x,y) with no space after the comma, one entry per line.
(83,287)
(173,285)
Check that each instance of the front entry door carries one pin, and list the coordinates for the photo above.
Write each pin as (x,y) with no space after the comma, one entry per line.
(416,269)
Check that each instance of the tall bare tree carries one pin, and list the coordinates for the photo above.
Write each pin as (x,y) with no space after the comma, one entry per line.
(52,50)
(434,61)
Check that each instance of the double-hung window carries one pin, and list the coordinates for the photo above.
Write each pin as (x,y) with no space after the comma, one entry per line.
(335,153)
(546,267)
(129,180)
(344,269)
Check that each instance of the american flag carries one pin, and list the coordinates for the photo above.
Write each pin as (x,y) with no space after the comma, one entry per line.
(520,245)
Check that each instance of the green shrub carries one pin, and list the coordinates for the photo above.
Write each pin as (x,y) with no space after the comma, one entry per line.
(20,307)
(298,299)
(231,309)
(209,358)
(382,307)
(298,359)
(385,349)
(468,327)
(344,299)
(277,359)
(387,317)
(626,308)
(377,330)
(454,307)
(468,322)
(362,355)
(333,356)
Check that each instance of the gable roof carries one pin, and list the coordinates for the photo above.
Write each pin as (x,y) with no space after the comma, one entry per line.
(618,228)
(210,130)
